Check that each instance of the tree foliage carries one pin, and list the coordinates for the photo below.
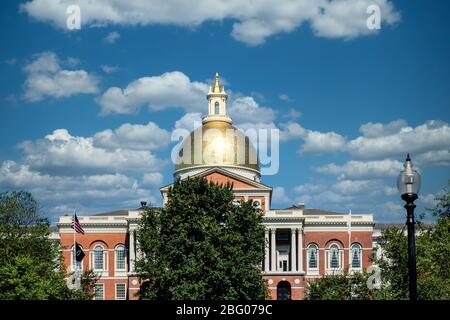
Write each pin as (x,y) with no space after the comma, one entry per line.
(30,262)
(340,287)
(201,246)
(433,265)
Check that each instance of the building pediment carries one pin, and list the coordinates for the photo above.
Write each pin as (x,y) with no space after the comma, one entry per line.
(222,176)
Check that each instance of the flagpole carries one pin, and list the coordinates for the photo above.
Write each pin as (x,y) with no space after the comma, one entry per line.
(349,236)
(74,259)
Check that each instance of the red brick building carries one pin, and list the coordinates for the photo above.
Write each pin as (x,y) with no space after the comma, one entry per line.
(302,244)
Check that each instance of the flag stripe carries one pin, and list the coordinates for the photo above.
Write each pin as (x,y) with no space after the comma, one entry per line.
(76,225)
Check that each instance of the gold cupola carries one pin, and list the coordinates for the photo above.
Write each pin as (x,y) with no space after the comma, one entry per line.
(217,143)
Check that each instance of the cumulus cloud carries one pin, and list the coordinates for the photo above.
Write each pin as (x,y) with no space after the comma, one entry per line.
(431,136)
(280,196)
(190,121)
(317,142)
(169,90)
(363,169)
(88,194)
(113,169)
(292,130)
(60,153)
(253,22)
(45,77)
(375,130)
(247,110)
(133,136)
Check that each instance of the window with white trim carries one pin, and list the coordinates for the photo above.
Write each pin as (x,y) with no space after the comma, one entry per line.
(334,257)
(121,256)
(356,256)
(313,257)
(121,291)
(99,291)
(257,203)
(99,258)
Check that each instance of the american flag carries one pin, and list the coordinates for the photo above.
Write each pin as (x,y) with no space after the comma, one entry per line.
(76,224)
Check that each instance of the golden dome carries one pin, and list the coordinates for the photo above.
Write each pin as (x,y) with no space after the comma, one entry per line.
(217,143)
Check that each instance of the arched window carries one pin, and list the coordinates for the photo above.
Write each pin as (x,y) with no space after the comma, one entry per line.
(120,258)
(216,108)
(334,257)
(356,256)
(313,256)
(99,260)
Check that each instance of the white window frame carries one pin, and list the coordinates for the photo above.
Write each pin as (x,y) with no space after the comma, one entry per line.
(125,290)
(103,291)
(351,257)
(104,271)
(116,250)
(258,203)
(340,257)
(312,271)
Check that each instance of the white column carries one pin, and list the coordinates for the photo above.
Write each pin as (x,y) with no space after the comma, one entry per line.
(293,250)
(132,250)
(266,251)
(273,245)
(300,249)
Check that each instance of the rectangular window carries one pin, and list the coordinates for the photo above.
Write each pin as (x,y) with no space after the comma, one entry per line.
(120,259)
(121,292)
(98,260)
(99,292)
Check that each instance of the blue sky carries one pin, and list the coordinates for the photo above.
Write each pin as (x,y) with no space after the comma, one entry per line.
(86,115)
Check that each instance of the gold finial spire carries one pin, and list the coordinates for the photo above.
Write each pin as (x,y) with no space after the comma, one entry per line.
(217,85)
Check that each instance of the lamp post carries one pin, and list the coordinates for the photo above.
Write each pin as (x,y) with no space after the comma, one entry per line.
(408,184)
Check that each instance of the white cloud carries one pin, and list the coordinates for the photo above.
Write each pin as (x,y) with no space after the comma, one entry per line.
(279,196)
(375,130)
(254,21)
(154,179)
(60,153)
(169,90)
(292,130)
(363,169)
(46,78)
(88,194)
(317,142)
(190,121)
(247,110)
(439,157)
(358,187)
(109,69)
(432,135)
(133,136)
(112,37)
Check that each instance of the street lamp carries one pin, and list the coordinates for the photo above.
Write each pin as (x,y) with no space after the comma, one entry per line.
(408,184)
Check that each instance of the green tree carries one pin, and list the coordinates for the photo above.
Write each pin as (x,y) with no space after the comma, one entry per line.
(433,265)
(432,255)
(201,246)
(340,287)
(30,262)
